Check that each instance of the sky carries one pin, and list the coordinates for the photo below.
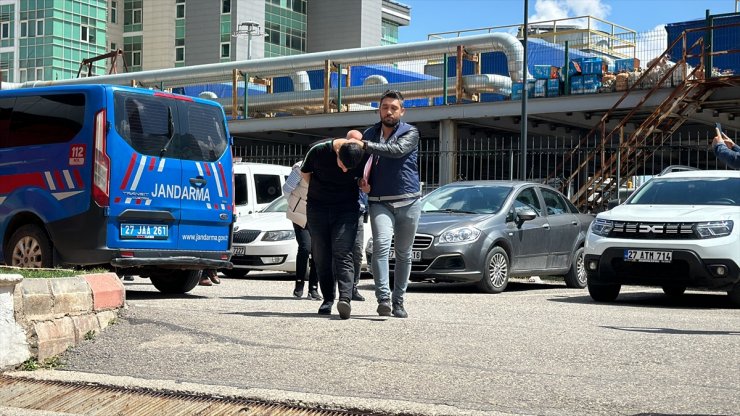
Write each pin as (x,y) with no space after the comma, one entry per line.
(432,16)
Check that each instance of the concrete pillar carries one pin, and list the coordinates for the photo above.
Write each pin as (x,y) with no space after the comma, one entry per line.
(447,151)
(14,347)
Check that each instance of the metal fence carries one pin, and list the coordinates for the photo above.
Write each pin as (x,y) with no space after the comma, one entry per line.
(497,158)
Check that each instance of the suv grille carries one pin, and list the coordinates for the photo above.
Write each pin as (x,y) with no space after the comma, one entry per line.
(245,236)
(654,230)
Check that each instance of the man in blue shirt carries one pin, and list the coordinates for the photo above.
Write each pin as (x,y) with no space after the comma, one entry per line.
(726,150)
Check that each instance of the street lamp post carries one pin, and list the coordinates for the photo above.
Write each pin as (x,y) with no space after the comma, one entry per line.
(249,28)
(525,88)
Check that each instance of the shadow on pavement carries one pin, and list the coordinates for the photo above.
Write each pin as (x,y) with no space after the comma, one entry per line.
(689,300)
(141,294)
(333,316)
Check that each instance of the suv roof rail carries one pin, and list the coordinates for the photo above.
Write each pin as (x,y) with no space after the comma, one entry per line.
(676,168)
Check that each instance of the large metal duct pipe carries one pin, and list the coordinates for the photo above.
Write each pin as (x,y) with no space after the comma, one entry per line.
(301,82)
(375,80)
(286,65)
(313,100)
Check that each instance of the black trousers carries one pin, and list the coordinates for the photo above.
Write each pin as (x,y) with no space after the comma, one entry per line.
(304,267)
(332,238)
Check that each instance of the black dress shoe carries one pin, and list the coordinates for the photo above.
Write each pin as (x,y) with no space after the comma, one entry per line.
(384,308)
(344,308)
(325,308)
(399,311)
(313,294)
(298,291)
(357,296)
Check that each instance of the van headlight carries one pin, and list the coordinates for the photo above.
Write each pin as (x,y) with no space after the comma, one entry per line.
(279,235)
(714,229)
(460,235)
(602,227)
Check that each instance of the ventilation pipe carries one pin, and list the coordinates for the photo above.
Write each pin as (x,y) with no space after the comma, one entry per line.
(300,81)
(287,65)
(375,80)
(312,101)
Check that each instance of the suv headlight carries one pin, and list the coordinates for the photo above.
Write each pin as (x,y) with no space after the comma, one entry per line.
(714,229)
(602,227)
(460,235)
(278,235)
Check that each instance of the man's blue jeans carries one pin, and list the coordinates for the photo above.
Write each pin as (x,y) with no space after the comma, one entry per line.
(387,221)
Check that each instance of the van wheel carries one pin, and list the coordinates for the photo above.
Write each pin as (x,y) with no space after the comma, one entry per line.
(495,271)
(235,273)
(576,277)
(177,281)
(29,247)
(734,294)
(674,291)
(603,293)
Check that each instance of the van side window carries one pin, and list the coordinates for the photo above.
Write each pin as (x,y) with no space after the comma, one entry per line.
(205,136)
(41,119)
(240,189)
(268,188)
(143,123)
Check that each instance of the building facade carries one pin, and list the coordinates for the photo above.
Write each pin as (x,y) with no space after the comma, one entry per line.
(48,39)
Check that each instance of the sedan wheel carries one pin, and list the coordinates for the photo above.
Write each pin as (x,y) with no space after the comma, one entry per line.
(577,277)
(496,272)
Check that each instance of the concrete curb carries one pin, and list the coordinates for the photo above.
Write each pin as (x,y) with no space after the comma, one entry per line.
(43,317)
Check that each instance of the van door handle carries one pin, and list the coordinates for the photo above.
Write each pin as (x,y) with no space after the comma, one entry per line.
(198,182)
(546,226)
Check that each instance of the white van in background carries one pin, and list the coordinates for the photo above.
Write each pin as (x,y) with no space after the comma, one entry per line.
(256,185)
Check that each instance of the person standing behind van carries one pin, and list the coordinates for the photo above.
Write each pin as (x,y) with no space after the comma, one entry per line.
(394,189)
(296,188)
(726,150)
(331,169)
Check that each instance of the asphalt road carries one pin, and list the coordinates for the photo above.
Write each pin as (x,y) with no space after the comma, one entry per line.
(535,349)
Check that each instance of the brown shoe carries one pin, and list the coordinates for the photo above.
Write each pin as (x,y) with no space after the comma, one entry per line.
(205,281)
(215,279)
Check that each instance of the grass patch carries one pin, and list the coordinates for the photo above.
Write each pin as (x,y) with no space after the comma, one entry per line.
(48,273)
(33,364)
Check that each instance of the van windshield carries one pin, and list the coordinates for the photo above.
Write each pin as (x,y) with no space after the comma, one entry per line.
(161,127)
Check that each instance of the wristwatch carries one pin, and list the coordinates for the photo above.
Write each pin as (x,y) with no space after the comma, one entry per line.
(364,145)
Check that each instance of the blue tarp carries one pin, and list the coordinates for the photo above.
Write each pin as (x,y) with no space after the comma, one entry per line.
(724,39)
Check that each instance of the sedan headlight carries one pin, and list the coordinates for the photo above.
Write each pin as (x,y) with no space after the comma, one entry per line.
(279,235)
(460,235)
(714,229)
(602,227)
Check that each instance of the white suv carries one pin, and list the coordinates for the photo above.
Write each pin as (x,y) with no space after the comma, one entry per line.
(679,230)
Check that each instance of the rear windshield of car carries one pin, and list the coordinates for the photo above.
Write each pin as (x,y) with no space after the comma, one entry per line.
(156,126)
(466,199)
(688,191)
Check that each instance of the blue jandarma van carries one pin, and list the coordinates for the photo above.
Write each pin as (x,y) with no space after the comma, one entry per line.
(134,179)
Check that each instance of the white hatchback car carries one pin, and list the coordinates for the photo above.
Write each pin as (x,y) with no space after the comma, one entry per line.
(264,241)
(677,231)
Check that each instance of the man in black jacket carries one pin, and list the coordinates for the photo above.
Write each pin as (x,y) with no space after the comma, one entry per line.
(394,189)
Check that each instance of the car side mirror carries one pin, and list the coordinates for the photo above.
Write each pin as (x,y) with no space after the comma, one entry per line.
(612,203)
(525,214)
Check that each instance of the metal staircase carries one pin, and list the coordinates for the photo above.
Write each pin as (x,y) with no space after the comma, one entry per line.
(692,90)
